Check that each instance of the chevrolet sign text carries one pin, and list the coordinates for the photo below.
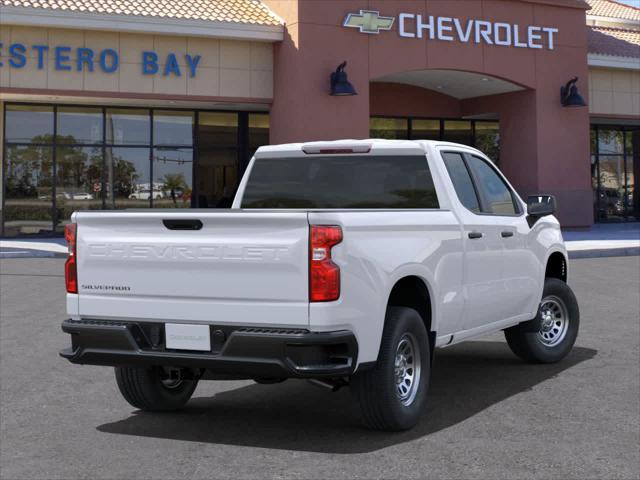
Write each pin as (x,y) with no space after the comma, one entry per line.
(451,29)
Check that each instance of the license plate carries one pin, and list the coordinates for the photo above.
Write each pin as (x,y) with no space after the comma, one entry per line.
(179,336)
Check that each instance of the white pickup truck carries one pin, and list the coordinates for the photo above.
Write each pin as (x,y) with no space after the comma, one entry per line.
(346,263)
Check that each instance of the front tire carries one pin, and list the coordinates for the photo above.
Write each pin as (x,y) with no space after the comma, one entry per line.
(151,390)
(550,336)
(393,394)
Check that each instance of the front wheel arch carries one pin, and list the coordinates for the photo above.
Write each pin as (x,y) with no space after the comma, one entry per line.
(557,267)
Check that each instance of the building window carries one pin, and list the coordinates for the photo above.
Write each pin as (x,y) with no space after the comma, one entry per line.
(615,163)
(458,131)
(425,129)
(389,128)
(60,158)
(218,159)
(481,134)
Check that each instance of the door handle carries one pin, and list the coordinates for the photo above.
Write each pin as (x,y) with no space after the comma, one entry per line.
(182,224)
(506,234)
(475,235)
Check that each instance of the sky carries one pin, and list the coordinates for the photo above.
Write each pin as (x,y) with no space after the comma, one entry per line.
(633,3)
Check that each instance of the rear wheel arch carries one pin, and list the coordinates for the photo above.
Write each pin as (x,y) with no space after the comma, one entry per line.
(413,292)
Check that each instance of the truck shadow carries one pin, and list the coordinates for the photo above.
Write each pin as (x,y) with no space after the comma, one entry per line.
(295,415)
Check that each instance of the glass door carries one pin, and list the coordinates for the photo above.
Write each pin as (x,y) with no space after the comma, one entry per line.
(218,166)
(615,166)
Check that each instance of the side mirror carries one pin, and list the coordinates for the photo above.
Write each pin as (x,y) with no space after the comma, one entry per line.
(541,205)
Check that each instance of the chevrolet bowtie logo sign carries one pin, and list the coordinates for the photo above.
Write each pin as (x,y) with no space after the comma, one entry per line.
(368,21)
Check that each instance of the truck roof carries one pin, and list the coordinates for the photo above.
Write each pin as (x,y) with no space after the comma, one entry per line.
(370,145)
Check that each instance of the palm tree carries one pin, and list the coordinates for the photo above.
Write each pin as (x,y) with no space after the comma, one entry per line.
(173,182)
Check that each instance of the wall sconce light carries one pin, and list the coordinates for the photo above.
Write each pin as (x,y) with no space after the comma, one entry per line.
(340,86)
(569,96)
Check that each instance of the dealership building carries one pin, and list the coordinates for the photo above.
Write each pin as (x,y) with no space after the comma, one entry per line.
(110,104)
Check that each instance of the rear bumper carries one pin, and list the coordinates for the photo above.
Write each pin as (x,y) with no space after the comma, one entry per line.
(242,352)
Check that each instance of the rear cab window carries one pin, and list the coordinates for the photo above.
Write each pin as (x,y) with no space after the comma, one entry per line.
(461,179)
(341,182)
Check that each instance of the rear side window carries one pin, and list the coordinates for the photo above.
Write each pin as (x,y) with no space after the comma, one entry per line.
(338,181)
(461,179)
(497,197)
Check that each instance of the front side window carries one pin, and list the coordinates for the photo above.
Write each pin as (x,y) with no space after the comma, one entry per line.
(390,182)
(496,195)
(461,180)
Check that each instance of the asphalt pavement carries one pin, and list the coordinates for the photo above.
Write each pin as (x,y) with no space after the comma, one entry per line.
(489,415)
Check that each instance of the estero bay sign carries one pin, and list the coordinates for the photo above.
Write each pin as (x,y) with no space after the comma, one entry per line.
(451,29)
(107,60)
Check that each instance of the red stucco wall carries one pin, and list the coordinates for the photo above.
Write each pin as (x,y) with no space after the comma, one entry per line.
(545,147)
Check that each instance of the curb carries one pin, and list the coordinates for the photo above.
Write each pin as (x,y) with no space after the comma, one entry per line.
(30,254)
(605,252)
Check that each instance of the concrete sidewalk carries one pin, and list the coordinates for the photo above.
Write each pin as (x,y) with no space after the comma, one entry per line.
(602,240)
(30,247)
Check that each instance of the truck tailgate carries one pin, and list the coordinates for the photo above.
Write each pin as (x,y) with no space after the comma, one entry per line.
(243,268)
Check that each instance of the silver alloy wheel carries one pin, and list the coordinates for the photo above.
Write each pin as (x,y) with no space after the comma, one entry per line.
(407,369)
(554,321)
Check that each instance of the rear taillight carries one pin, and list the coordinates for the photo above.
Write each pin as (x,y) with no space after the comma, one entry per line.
(70,268)
(324,275)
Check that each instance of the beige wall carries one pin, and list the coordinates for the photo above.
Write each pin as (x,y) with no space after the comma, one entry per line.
(614,92)
(228,68)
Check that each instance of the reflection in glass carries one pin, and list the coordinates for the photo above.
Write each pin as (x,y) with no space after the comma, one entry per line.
(28,194)
(172,128)
(389,128)
(29,124)
(633,172)
(128,177)
(128,127)
(218,129)
(458,131)
(425,129)
(611,201)
(218,158)
(610,141)
(79,125)
(258,132)
(488,139)
(630,190)
(172,177)
(78,181)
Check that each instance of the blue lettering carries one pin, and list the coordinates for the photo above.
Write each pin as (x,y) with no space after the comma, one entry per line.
(41,49)
(18,59)
(104,65)
(84,57)
(192,62)
(149,63)
(62,57)
(172,65)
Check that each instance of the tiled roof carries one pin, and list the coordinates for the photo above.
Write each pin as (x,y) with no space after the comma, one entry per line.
(614,41)
(235,11)
(613,9)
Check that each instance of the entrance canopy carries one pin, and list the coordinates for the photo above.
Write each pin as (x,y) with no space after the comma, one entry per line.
(453,83)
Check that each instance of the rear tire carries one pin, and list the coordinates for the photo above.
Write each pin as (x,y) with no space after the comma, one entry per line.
(149,389)
(550,336)
(393,394)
